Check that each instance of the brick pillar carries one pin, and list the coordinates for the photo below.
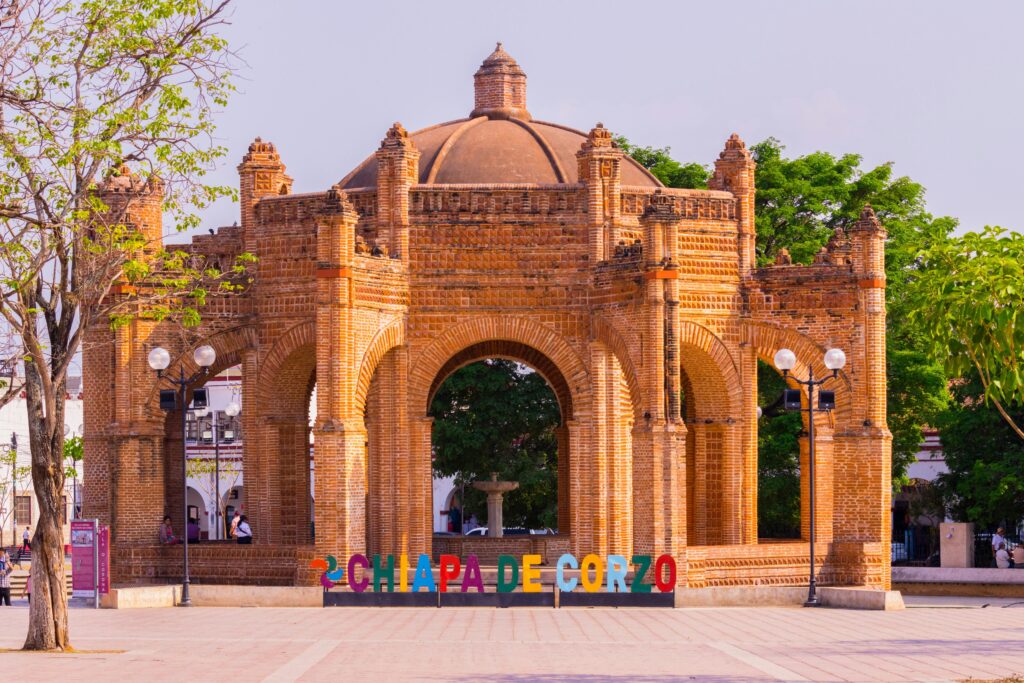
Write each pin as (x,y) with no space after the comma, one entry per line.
(257,452)
(598,454)
(260,174)
(600,170)
(340,432)
(292,438)
(734,172)
(823,486)
(745,433)
(562,436)
(581,510)
(420,527)
(397,172)
(864,448)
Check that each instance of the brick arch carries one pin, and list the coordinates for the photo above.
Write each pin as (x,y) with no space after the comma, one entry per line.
(386,339)
(229,345)
(706,362)
(606,332)
(287,374)
(767,339)
(510,351)
(431,360)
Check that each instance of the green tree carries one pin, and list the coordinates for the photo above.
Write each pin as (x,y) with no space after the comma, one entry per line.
(968,297)
(666,169)
(985,482)
(499,416)
(87,86)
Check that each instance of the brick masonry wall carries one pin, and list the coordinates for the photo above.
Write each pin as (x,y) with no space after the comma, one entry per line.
(621,297)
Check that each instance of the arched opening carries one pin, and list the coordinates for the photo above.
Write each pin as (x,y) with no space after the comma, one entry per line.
(212,445)
(399,469)
(285,412)
(498,418)
(778,459)
(713,479)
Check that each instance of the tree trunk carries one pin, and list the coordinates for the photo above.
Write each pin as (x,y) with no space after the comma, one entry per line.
(48,615)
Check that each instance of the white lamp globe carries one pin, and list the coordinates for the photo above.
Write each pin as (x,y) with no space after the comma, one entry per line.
(785,359)
(233,409)
(835,359)
(759,412)
(159,359)
(204,356)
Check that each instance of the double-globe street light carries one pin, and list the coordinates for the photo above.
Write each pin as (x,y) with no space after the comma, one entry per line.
(159,359)
(834,360)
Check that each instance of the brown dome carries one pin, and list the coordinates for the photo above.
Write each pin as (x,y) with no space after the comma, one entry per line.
(499,143)
(483,150)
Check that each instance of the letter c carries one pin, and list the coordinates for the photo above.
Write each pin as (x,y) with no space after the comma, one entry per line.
(564,561)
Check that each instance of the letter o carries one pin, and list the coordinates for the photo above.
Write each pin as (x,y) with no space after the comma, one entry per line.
(595,562)
(670,584)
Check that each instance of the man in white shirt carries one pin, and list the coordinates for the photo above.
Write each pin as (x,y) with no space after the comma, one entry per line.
(997,538)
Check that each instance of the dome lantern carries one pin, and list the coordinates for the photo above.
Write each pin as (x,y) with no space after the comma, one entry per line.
(500,88)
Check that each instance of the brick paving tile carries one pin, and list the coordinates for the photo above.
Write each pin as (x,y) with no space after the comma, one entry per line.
(526,645)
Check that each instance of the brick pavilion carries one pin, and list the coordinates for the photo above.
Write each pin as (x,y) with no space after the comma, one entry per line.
(499,235)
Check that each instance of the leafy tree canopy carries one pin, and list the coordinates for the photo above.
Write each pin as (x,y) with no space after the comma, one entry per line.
(985,482)
(499,416)
(968,302)
(665,168)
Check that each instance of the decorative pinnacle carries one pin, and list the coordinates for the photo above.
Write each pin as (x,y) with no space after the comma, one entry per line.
(868,220)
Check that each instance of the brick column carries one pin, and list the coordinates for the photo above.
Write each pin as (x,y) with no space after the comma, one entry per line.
(562,436)
(823,486)
(600,169)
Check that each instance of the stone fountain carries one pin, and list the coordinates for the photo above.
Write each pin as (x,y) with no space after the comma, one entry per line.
(495,490)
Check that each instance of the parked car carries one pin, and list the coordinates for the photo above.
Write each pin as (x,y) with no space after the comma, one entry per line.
(513,531)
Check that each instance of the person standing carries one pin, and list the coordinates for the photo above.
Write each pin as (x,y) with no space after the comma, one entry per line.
(243,532)
(997,539)
(25,545)
(455,519)
(6,569)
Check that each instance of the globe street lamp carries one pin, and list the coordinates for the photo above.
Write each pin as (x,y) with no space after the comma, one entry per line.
(834,360)
(159,359)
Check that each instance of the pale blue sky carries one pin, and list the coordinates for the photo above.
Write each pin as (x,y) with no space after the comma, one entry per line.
(935,87)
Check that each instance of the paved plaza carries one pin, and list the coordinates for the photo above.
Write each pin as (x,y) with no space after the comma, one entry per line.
(934,640)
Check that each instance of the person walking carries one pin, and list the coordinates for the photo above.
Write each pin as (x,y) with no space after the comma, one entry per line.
(243,532)
(6,569)
(25,544)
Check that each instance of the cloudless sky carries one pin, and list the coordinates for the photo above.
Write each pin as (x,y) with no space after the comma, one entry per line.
(935,87)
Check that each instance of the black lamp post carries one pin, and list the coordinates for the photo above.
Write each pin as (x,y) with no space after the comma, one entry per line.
(159,359)
(834,360)
(14,492)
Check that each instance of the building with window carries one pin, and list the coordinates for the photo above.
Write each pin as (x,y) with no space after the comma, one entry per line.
(18,505)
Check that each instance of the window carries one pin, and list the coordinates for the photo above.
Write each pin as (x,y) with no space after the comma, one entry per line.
(23,510)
